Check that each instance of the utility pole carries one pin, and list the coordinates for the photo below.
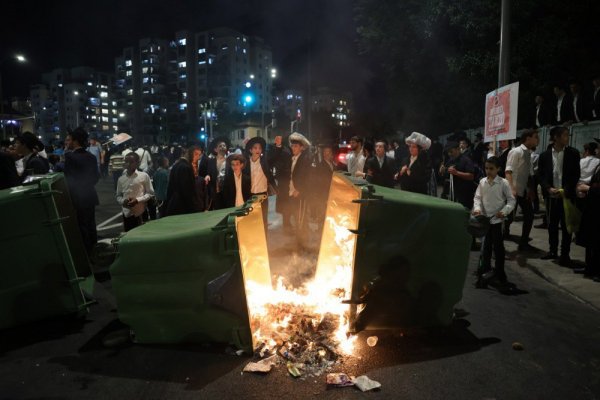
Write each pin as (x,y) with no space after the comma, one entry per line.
(504,58)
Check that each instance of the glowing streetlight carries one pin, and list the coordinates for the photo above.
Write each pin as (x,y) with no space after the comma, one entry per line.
(21,58)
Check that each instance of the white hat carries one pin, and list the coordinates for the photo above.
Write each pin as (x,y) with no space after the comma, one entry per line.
(419,139)
(298,137)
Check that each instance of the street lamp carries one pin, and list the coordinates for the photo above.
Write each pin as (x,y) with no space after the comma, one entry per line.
(21,59)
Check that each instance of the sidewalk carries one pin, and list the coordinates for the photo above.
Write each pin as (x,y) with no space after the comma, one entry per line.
(582,288)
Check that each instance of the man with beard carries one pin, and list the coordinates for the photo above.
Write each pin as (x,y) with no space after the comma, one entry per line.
(355,159)
(299,180)
(217,163)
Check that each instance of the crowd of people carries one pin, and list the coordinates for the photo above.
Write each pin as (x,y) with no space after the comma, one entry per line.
(157,181)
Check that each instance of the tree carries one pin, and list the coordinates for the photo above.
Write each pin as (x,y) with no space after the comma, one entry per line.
(440,57)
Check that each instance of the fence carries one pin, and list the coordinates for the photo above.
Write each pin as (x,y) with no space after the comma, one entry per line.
(581,133)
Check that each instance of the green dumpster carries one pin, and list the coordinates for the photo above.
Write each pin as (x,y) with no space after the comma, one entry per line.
(44,267)
(181,278)
(390,258)
(408,254)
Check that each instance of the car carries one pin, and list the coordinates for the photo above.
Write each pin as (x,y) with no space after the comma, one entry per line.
(341,153)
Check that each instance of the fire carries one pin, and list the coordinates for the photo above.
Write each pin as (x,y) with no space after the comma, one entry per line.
(313,318)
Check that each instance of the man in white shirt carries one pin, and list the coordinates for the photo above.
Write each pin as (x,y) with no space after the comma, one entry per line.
(588,163)
(134,190)
(355,159)
(518,172)
(145,159)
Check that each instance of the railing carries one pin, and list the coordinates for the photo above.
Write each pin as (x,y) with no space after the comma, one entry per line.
(581,133)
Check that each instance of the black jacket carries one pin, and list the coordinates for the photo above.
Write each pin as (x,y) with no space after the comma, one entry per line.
(544,116)
(229,188)
(384,175)
(8,171)
(35,165)
(301,175)
(81,172)
(571,171)
(420,174)
(566,110)
(264,163)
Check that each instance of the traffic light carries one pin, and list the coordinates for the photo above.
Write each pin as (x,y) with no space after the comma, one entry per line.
(247,99)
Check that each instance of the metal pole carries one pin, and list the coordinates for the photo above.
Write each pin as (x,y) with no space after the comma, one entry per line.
(2,104)
(504,59)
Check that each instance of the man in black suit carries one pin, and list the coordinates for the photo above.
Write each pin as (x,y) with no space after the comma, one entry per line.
(381,169)
(543,114)
(596,98)
(563,112)
(257,168)
(81,173)
(33,164)
(280,158)
(300,183)
(559,171)
(581,106)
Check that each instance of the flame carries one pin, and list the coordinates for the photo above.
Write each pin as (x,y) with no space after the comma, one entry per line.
(316,300)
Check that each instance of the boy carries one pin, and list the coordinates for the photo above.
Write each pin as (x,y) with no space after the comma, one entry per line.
(493,199)
(237,185)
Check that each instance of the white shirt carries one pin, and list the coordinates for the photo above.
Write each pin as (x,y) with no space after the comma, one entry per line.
(519,163)
(588,166)
(494,196)
(558,105)
(575,98)
(292,188)
(355,162)
(537,115)
(380,161)
(145,160)
(557,167)
(257,177)
(239,198)
(134,186)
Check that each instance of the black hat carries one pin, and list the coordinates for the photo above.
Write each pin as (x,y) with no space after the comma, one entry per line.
(217,140)
(597,140)
(451,145)
(255,140)
(30,141)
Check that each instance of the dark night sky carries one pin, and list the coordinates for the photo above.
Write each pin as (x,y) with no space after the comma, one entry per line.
(72,33)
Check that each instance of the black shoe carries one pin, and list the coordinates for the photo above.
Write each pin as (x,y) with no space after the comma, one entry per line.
(580,271)
(564,261)
(526,247)
(549,256)
(543,225)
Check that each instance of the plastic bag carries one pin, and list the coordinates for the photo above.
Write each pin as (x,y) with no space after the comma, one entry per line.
(572,215)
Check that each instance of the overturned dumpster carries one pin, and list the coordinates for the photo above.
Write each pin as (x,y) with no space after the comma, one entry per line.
(387,259)
(45,268)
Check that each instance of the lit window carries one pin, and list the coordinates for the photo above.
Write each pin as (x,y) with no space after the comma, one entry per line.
(210,60)
(201,51)
(60,85)
(114,103)
(183,106)
(244,51)
(182,42)
(290,96)
(121,115)
(104,111)
(145,70)
(224,47)
(184,95)
(145,80)
(201,62)
(115,120)
(103,94)
(89,83)
(182,76)
(182,64)
(104,119)
(128,73)
(129,92)
(244,39)
(128,63)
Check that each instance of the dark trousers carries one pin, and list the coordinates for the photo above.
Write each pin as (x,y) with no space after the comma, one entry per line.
(86,220)
(556,215)
(592,261)
(493,241)
(527,208)
(131,222)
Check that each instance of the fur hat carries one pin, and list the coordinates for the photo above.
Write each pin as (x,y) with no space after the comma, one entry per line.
(419,139)
(299,138)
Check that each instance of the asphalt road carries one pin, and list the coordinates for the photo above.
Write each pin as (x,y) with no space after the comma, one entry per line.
(472,359)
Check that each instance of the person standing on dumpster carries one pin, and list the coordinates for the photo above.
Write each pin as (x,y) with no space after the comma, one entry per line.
(134,190)
(82,174)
